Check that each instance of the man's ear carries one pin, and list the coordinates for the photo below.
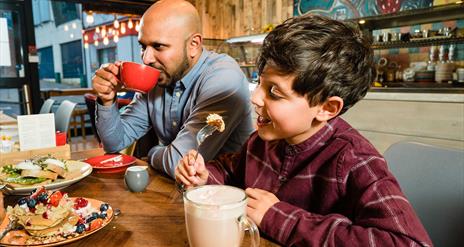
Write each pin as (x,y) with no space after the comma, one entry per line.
(330,108)
(195,45)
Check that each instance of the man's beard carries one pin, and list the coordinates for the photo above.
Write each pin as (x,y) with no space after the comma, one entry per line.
(179,73)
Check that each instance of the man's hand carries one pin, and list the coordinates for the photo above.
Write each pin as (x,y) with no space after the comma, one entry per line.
(259,201)
(106,82)
(192,172)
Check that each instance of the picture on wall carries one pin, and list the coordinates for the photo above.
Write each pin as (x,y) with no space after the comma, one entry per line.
(349,9)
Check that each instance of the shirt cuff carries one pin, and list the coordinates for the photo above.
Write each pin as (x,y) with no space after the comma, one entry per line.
(279,221)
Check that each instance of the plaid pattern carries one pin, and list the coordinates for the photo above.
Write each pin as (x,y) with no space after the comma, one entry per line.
(334,189)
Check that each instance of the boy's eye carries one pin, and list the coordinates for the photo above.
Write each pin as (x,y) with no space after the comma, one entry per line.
(273,93)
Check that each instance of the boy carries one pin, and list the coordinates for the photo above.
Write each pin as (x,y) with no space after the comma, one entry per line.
(311,179)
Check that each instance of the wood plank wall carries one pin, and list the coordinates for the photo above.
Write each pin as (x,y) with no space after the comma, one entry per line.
(222,19)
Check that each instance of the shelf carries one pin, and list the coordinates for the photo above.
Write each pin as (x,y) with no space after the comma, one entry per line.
(414,17)
(416,43)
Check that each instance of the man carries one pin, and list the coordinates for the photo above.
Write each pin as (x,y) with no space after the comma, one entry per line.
(193,83)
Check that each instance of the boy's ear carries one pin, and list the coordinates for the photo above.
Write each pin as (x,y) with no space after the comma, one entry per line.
(330,108)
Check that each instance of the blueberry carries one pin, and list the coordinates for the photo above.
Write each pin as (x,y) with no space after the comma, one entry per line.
(90,219)
(42,197)
(31,203)
(95,214)
(104,207)
(22,201)
(103,215)
(80,228)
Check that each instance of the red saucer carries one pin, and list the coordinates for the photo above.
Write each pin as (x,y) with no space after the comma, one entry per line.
(110,166)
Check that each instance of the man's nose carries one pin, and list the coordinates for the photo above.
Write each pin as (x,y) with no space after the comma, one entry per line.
(148,56)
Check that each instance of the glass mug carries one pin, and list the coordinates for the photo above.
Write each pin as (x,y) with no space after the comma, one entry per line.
(215,215)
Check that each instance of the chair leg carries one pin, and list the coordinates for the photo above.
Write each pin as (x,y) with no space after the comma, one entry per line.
(83,126)
(75,125)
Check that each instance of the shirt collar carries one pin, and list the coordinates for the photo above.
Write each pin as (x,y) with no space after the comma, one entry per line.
(188,79)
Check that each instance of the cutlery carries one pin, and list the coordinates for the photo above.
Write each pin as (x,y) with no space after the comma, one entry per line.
(204,132)
(12,225)
(114,159)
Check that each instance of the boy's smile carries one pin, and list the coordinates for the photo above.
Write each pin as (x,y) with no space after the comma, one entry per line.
(282,113)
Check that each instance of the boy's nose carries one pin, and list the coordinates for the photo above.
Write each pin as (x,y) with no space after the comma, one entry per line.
(257,96)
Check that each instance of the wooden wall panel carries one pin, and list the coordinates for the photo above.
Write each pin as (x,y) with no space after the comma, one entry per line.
(222,19)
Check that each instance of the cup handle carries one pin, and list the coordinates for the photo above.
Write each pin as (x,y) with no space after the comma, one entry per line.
(246,224)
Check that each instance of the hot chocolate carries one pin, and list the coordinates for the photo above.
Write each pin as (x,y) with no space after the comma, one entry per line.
(215,216)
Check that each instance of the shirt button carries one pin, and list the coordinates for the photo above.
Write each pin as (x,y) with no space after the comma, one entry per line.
(174,123)
(177,94)
(282,178)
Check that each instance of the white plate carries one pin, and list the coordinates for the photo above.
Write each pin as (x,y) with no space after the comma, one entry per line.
(83,168)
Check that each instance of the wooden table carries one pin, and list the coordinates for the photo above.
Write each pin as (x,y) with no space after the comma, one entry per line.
(151,218)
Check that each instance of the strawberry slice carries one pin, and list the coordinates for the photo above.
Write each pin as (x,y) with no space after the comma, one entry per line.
(55,198)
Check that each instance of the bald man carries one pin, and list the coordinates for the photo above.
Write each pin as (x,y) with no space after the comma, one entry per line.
(193,83)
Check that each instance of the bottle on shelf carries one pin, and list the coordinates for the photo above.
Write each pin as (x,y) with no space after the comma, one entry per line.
(432,58)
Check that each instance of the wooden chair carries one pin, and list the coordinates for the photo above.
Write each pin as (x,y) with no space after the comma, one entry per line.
(433,180)
(63,116)
(47,106)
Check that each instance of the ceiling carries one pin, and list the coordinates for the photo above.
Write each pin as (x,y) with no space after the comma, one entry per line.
(116,6)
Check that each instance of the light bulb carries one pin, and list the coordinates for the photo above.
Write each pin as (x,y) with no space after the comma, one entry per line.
(89,18)
(137,26)
(71,35)
(130,24)
(116,23)
(96,42)
(97,30)
(123,28)
(73,25)
(103,32)
(86,37)
(86,45)
(116,38)
(106,41)
(66,28)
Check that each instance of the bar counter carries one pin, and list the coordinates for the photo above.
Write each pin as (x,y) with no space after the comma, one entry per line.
(151,218)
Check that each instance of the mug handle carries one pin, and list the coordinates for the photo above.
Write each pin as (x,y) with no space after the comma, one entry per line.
(246,224)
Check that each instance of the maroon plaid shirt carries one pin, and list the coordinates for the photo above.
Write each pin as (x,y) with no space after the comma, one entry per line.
(334,190)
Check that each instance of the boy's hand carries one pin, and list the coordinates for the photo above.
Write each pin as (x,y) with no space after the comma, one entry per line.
(106,82)
(259,201)
(192,172)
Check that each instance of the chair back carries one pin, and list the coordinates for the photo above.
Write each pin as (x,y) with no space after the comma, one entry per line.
(63,115)
(47,106)
(90,100)
(433,180)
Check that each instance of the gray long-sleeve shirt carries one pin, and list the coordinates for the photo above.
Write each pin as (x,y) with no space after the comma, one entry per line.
(214,85)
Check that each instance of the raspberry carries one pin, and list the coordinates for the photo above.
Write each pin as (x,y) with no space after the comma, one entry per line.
(80,203)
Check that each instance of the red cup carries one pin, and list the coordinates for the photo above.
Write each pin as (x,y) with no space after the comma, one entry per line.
(60,138)
(138,77)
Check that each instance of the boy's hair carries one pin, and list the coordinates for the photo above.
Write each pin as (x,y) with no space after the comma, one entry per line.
(327,57)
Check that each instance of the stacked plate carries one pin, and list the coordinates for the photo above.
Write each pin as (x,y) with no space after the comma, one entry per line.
(444,72)
(425,76)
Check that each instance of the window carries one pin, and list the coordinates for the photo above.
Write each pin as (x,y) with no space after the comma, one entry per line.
(107,55)
(46,66)
(71,56)
(64,12)
(41,11)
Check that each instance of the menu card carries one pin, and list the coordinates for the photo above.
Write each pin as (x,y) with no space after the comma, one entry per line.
(36,131)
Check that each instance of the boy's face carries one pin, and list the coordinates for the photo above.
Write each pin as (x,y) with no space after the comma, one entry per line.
(282,113)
